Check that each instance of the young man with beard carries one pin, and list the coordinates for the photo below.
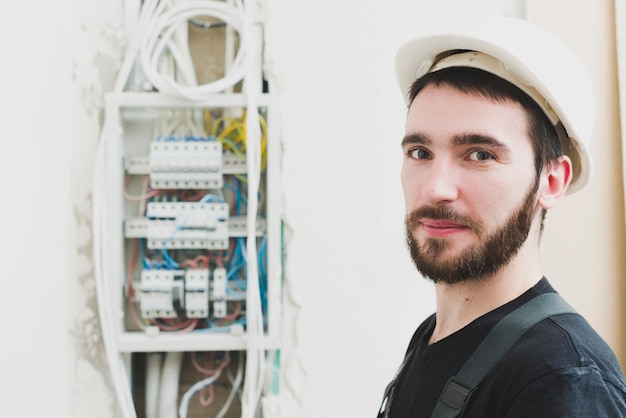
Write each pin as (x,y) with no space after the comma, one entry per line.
(497,131)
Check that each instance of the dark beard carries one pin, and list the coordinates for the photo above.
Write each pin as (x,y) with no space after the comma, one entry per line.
(478,261)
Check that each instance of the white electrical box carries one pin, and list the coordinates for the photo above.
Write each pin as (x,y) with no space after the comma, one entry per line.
(187,229)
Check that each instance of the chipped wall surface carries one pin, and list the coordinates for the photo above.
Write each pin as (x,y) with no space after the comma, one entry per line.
(98,50)
(352,299)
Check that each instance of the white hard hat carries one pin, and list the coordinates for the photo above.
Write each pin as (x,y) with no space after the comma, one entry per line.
(534,60)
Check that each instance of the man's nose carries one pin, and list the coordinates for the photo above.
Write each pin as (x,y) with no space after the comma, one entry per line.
(442,182)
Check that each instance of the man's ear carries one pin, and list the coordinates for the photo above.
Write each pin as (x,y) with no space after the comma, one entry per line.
(556,177)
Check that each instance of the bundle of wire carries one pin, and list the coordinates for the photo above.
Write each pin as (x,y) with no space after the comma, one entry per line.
(158,22)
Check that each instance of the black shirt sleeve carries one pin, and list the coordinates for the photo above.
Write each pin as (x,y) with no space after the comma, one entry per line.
(579,392)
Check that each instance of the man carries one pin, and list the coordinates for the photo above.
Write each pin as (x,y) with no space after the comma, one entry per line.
(498,127)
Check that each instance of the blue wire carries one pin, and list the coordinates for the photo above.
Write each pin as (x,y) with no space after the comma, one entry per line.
(142,254)
(263,274)
(262,251)
(237,265)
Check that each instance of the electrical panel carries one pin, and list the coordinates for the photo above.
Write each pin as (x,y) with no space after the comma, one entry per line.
(187,232)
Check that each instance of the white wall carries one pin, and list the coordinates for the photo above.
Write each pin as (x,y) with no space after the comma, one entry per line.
(35,79)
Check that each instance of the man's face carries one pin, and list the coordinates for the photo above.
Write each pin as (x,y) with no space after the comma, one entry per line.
(469,184)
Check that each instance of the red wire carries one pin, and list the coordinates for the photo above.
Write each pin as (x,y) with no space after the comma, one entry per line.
(211,372)
(206,401)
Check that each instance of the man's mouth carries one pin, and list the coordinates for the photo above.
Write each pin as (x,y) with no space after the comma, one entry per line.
(441,223)
(441,227)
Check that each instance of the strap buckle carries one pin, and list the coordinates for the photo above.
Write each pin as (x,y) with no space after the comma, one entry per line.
(455,395)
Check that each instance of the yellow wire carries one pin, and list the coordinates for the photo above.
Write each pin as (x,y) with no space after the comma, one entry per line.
(233,136)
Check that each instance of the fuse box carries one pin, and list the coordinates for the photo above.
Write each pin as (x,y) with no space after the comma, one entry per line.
(187,227)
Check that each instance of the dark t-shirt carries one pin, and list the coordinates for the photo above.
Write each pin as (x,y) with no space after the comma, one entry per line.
(561,368)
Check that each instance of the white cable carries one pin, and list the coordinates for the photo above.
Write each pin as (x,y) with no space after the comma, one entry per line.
(161,29)
(255,364)
(165,25)
(178,45)
(229,45)
(184,403)
(148,10)
(170,376)
(119,374)
(235,385)
(153,380)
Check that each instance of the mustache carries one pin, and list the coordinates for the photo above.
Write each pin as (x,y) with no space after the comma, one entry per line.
(442,213)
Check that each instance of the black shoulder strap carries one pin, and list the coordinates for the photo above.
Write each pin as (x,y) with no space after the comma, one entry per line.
(494,346)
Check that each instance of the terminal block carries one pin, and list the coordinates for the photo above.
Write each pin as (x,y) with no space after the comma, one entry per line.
(182,225)
(186,164)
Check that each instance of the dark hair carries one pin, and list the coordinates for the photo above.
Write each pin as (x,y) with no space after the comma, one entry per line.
(543,134)
(468,80)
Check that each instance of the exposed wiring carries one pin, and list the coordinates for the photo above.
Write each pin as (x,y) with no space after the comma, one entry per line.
(208,198)
(236,386)
(165,61)
(262,260)
(196,387)
(206,401)
(233,135)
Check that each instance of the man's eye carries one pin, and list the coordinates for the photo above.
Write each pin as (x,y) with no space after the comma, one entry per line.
(419,154)
(481,156)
